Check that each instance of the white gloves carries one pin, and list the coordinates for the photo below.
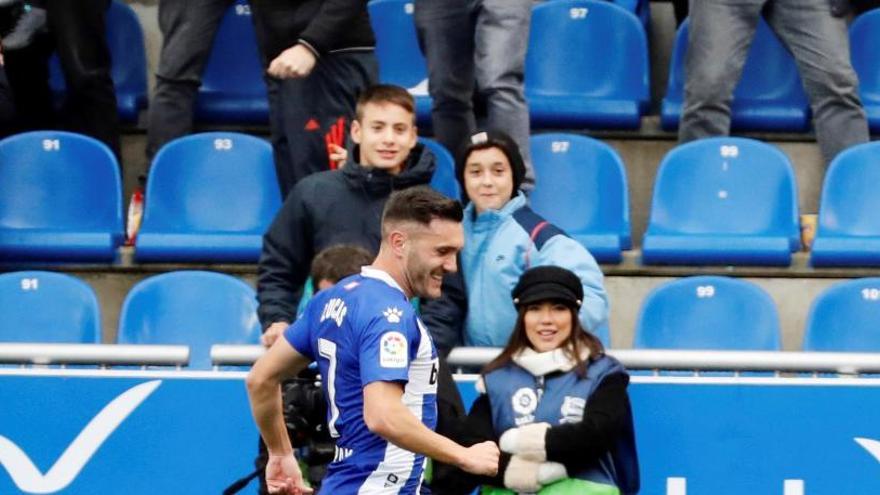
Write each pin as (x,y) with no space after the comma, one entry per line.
(524,476)
(526,441)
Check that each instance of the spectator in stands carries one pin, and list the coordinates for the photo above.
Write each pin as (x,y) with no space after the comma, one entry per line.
(720,34)
(77,34)
(28,23)
(320,56)
(188,30)
(476,44)
(341,206)
(7,108)
(503,238)
(553,400)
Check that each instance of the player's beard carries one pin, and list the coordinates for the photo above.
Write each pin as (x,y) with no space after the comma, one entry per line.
(419,275)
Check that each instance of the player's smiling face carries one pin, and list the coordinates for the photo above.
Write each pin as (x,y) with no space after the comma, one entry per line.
(431,253)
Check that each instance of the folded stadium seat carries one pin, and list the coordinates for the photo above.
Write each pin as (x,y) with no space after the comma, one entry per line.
(443,179)
(210,198)
(397,47)
(233,90)
(844,318)
(723,201)
(194,308)
(848,230)
(708,312)
(125,38)
(571,81)
(48,308)
(864,38)
(769,96)
(581,188)
(60,198)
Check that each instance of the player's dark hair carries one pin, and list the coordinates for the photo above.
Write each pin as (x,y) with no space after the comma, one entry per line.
(420,205)
(337,262)
(385,93)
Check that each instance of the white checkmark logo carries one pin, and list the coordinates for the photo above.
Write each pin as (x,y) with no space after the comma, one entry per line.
(29,479)
(872,446)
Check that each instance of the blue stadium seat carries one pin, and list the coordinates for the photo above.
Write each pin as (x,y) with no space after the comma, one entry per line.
(48,307)
(848,231)
(210,197)
(193,308)
(845,318)
(233,89)
(864,38)
(723,201)
(581,187)
(571,81)
(443,179)
(60,198)
(125,38)
(397,47)
(769,96)
(711,312)
(641,8)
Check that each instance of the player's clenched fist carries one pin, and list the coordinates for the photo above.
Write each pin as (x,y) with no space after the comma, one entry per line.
(482,459)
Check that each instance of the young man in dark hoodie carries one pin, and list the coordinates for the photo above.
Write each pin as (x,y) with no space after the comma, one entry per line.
(341,206)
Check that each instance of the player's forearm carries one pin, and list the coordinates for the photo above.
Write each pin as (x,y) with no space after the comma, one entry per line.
(267,411)
(400,427)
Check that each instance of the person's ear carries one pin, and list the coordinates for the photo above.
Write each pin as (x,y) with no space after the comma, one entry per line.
(397,240)
(356,131)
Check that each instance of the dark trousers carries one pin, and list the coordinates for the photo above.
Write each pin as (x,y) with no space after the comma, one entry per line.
(188,29)
(304,114)
(77,34)
(7,108)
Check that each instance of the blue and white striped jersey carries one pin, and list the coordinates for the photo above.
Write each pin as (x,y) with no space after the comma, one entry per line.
(360,331)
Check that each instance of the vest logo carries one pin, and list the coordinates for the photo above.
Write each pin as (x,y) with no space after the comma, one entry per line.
(572,409)
(29,479)
(524,402)
(335,310)
(392,315)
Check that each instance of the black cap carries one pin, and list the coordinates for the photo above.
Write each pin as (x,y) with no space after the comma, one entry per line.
(493,139)
(544,283)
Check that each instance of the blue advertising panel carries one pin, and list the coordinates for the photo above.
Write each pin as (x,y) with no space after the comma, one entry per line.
(124,432)
(139,432)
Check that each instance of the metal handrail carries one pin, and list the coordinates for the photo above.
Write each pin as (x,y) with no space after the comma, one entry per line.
(98,354)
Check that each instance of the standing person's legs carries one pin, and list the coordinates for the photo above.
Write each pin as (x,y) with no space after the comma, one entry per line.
(307,113)
(446,35)
(80,41)
(820,44)
(188,29)
(28,72)
(501,40)
(721,32)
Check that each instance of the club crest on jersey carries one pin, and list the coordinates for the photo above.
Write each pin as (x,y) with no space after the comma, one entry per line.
(392,315)
(524,402)
(335,310)
(392,350)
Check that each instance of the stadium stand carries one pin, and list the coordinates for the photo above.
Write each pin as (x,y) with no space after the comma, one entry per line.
(581,187)
(864,38)
(194,308)
(848,230)
(443,179)
(210,197)
(723,201)
(400,60)
(60,198)
(232,90)
(708,312)
(125,38)
(769,96)
(48,307)
(844,318)
(570,79)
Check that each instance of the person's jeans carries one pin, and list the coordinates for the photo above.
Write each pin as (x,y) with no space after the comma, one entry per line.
(483,42)
(306,113)
(721,32)
(188,29)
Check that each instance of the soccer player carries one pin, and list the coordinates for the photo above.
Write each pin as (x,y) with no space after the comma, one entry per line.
(378,363)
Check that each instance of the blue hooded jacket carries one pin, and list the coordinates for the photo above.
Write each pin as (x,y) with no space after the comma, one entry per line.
(476,308)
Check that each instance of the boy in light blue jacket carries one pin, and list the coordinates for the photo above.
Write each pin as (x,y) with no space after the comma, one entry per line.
(503,238)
